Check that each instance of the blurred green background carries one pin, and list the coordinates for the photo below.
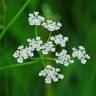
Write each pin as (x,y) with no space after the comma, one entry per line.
(78,18)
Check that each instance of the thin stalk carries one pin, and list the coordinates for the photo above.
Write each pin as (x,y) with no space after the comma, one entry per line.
(18,65)
(42,60)
(47,87)
(49,36)
(14,19)
(36,34)
(4,7)
(49,58)
(48,90)
(35,58)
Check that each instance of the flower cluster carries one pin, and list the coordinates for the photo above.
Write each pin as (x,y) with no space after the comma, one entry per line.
(36,19)
(50,73)
(51,26)
(23,53)
(80,54)
(48,47)
(59,39)
(36,44)
(63,58)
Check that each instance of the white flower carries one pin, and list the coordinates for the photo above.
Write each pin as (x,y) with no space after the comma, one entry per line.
(35,18)
(20,60)
(50,73)
(22,53)
(49,46)
(35,43)
(63,58)
(51,26)
(59,39)
(80,54)
(29,51)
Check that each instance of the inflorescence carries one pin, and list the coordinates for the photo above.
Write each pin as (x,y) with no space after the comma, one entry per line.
(37,45)
(50,73)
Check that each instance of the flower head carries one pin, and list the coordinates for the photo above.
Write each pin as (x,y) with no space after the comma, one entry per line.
(51,26)
(49,46)
(59,39)
(22,53)
(63,58)
(35,18)
(50,73)
(35,43)
(80,53)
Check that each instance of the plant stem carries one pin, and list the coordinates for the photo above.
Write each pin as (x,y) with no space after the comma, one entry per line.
(18,65)
(47,87)
(14,19)
(36,31)
(49,36)
(49,58)
(42,59)
(48,90)
(4,7)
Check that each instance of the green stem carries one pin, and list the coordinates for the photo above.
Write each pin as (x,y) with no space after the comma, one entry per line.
(18,65)
(47,87)
(36,31)
(48,90)
(42,59)
(49,58)
(4,7)
(14,19)
(49,36)
(35,58)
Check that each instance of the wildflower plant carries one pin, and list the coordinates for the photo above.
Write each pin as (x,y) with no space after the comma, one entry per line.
(36,44)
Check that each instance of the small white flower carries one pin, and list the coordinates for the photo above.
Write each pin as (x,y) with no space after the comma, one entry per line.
(63,58)
(48,80)
(51,26)
(20,60)
(50,73)
(35,43)
(61,76)
(49,46)
(80,54)
(35,18)
(29,51)
(22,53)
(59,39)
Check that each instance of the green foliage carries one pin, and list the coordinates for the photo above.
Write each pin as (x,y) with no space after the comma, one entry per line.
(79,24)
